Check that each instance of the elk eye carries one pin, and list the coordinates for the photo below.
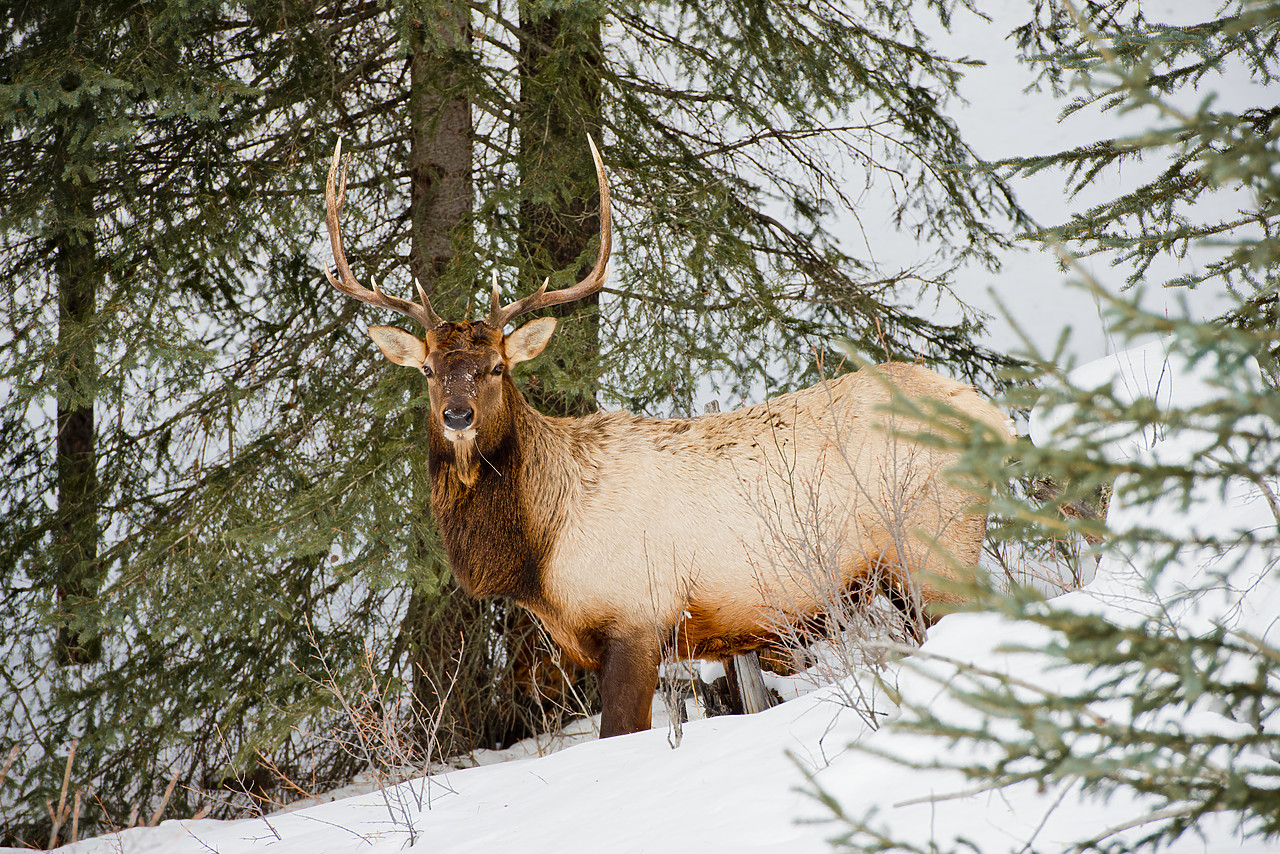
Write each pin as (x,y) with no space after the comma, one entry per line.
(427,372)
(497,369)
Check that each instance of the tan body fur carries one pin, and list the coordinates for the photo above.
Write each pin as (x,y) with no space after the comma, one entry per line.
(694,530)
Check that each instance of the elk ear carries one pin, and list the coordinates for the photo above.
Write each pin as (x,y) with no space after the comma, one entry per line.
(399,346)
(529,340)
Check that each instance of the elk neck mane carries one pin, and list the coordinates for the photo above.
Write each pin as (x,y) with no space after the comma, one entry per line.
(502,500)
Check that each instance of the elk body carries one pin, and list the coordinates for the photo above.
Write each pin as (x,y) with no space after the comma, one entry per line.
(628,535)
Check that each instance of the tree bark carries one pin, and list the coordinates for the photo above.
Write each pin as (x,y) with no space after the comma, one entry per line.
(441,188)
(441,623)
(560,104)
(77,575)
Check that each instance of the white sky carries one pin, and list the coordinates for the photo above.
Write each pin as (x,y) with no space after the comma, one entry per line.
(1002,120)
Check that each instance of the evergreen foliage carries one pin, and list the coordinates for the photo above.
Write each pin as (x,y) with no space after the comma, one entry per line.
(212,490)
(158,147)
(1177,709)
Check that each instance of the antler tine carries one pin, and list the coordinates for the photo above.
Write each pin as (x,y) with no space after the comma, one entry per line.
(594,281)
(335,192)
(422,294)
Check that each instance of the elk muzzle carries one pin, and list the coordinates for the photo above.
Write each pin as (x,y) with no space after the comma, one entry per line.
(458,418)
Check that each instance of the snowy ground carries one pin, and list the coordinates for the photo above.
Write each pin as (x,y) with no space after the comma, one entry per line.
(738,784)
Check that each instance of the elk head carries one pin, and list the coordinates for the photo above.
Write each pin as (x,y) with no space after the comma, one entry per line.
(467,363)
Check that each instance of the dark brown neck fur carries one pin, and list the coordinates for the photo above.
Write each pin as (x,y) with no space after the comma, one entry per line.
(496,545)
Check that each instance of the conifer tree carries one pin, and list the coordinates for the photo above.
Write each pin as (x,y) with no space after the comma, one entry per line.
(159,294)
(1176,711)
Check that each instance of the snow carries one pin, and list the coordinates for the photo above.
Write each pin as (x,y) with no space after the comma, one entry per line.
(745,784)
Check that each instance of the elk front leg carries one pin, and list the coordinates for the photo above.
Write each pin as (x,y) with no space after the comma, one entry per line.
(628,677)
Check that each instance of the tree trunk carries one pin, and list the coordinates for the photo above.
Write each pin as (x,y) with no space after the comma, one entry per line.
(559,221)
(560,218)
(77,575)
(441,191)
(443,629)
(753,694)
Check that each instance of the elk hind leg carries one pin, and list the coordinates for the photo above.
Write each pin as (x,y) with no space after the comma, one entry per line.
(884,575)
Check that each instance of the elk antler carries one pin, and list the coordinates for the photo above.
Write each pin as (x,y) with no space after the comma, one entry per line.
(345,282)
(500,315)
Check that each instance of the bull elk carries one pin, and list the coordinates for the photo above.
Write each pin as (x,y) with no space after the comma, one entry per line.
(626,535)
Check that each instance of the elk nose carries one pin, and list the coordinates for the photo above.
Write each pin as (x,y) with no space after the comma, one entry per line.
(458,419)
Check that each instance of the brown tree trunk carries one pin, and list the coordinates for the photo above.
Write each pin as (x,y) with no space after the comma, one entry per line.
(441,187)
(77,575)
(559,223)
(443,630)
(559,105)
(488,658)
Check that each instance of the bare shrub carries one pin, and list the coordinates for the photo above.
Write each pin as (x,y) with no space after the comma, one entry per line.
(556,692)
(860,596)
(1061,554)
(509,680)
(392,745)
